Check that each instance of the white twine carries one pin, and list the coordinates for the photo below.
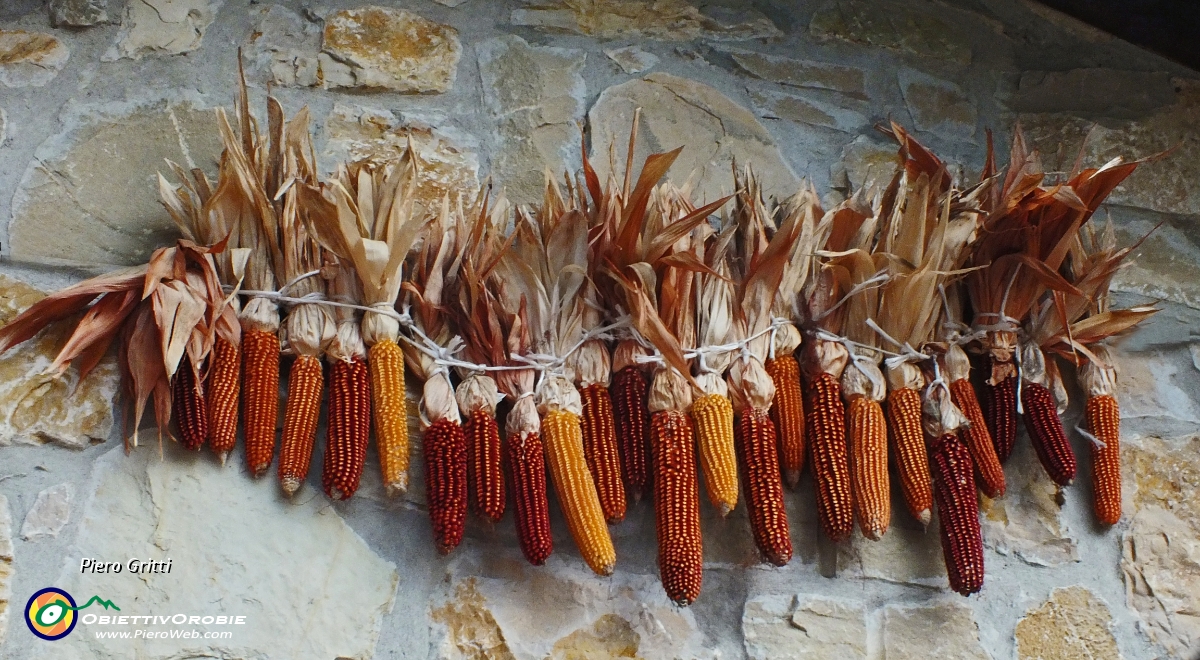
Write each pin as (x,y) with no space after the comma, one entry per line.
(1100,444)
(859,359)
(700,353)
(877,280)
(907,352)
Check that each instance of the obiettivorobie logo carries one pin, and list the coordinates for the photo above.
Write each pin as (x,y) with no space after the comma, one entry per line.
(51,612)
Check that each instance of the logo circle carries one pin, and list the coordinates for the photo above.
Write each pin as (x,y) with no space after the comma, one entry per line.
(50,614)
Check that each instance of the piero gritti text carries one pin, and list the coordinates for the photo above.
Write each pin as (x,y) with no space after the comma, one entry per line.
(135,566)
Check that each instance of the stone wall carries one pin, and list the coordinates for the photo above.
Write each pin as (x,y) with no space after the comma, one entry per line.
(94,94)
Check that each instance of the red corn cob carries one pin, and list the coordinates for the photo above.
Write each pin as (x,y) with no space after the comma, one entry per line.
(483,461)
(758,458)
(260,397)
(189,409)
(958,513)
(527,469)
(445,453)
(826,426)
(677,506)
(300,422)
(349,427)
(1104,419)
(1046,433)
(989,473)
(632,416)
(224,382)
(600,449)
(787,412)
(1000,412)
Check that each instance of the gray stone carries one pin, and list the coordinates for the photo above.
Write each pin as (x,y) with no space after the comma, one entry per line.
(770,103)
(803,627)
(102,189)
(667,20)
(30,59)
(285,45)
(78,13)
(801,73)
(450,3)
(938,107)
(713,130)
(1027,521)
(49,514)
(6,565)
(162,27)
(1105,92)
(906,554)
(863,161)
(283,564)
(632,59)
(384,48)
(535,96)
(940,630)
(3,126)
(902,27)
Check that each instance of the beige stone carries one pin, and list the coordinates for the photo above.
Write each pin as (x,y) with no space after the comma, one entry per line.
(864,161)
(36,408)
(1105,92)
(535,96)
(472,631)
(285,45)
(938,106)
(102,191)
(444,167)
(6,565)
(49,513)
(162,27)
(712,129)
(1161,560)
(907,554)
(804,627)
(393,49)
(942,630)
(667,20)
(30,59)
(1072,625)
(632,59)
(801,73)
(1027,520)
(78,13)
(898,26)
(610,637)
(774,104)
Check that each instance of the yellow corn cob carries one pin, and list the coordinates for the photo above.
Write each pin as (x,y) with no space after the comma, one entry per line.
(260,397)
(300,422)
(713,414)
(389,400)
(223,384)
(868,466)
(908,448)
(787,411)
(576,491)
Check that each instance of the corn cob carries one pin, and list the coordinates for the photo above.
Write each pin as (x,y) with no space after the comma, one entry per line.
(958,513)
(713,417)
(349,427)
(563,440)
(527,471)
(632,418)
(445,455)
(1099,382)
(989,474)
(1041,418)
(224,383)
(908,441)
(260,397)
(600,448)
(1000,408)
(477,396)
(386,364)
(300,422)
(758,458)
(189,409)
(831,469)
(872,499)
(787,412)
(676,506)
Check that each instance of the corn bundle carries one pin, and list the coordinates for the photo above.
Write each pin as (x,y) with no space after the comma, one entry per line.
(373,227)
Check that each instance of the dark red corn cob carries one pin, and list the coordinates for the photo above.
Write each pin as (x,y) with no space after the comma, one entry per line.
(527,471)
(826,426)
(1000,411)
(485,469)
(188,407)
(632,416)
(958,513)
(445,451)
(349,427)
(1046,433)
(600,450)
(758,462)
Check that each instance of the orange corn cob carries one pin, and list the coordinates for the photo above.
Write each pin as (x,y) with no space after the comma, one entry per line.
(260,397)
(445,451)
(224,371)
(787,411)
(1104,419)
(632,416)
(1000,413)
(989,473)
(527,471)
(300,422)
(484,467)
(576,491)
(758,458)
(1046,433)
(826,425)
(349,427)
(677,506)
(188,408)
(389,401)
(600,448)
(872,496)
(908,448)
(958,513)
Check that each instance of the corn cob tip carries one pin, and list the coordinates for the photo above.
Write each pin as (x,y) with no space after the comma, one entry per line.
(924,517)
(396,489)
(792,478)
(290,485)
(724,509)
(873,534)
(222,456)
